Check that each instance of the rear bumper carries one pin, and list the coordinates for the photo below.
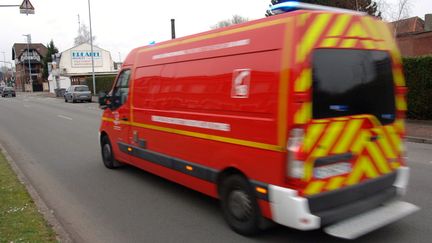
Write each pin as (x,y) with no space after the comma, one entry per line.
(292,210)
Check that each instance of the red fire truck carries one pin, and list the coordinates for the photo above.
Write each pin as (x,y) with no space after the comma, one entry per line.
(297,119)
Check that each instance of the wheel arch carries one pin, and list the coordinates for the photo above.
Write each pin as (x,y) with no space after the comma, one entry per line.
(225,173)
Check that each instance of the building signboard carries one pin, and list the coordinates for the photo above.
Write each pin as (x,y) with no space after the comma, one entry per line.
(83,58)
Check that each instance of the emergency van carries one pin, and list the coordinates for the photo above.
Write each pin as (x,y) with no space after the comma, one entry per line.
(297,119)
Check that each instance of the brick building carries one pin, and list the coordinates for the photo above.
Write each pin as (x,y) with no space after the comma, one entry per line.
(35,55)
(414,36)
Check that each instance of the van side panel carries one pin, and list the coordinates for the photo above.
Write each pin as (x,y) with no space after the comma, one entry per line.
(188,125)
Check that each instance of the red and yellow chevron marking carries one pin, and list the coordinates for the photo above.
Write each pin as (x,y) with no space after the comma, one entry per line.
(351,134)
(377,149)
(324,30)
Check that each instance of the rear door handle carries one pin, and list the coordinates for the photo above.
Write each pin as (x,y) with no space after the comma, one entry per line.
(124,119)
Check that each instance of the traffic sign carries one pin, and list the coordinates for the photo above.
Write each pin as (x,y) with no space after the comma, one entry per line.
(26,7)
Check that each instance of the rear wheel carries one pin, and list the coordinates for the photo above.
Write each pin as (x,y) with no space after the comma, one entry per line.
(108,154)
(239,205)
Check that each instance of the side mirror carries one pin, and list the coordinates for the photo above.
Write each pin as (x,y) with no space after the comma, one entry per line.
(104,100)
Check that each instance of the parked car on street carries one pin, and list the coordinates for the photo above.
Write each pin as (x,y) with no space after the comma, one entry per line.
(8,91)
(78,93)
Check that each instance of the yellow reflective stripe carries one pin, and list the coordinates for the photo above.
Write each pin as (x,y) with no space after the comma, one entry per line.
(329,42)
(246,143)
(363,167)
(370,24)
(383,141)
(348,135)
(340,25)
(304,114)
(304,82)
(314,187)
(335,183)
(378,158)
(303,18)
(394,137)
(326,142)
(312,36)
(395,165)
(349,43)
(284,77)
(400,125)
(357,30)
(401,103)
(117,121)
(398,77)
(360,142)
(313,133)
(368,44)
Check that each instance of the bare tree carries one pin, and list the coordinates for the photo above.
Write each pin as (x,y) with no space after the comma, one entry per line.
(396,11)
(236,19)
(83,35)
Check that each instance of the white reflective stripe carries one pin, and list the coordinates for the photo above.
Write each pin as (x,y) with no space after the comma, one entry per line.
(291,210)
(192,123)
(203,49)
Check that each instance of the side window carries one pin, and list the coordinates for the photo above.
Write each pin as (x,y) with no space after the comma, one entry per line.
(121,89)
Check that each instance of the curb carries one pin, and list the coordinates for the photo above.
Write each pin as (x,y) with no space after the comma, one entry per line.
(61,233)
(418,140)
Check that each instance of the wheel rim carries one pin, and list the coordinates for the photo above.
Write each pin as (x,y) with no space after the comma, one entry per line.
(240,205)
(106,152)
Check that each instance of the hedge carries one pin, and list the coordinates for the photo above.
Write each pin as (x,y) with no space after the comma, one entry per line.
(103,83)
(418,74)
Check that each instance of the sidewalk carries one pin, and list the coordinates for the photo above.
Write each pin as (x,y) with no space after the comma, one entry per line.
(419,131)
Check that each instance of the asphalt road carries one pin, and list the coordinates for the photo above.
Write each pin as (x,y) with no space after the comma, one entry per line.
(56,146)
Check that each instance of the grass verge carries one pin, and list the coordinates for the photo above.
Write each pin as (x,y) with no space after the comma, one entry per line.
(20,220)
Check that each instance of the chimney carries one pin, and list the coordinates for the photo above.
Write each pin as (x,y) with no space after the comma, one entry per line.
(428,22)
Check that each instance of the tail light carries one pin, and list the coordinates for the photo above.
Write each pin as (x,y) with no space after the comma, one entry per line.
(295,167)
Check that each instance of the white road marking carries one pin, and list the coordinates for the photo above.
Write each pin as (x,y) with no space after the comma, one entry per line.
(65,117)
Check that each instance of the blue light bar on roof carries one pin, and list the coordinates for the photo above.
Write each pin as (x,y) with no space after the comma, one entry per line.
(290,6)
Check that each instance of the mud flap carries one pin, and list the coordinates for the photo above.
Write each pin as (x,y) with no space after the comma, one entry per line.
(359,225)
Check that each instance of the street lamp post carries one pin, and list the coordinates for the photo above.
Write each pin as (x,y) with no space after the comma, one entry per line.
(28,58)
(91,50)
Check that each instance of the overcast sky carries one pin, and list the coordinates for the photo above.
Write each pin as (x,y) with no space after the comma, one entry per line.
(122,25)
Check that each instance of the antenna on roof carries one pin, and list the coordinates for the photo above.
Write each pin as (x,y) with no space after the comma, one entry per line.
(79,24)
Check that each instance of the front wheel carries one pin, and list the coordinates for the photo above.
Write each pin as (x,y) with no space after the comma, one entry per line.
(108,155)
(239,205)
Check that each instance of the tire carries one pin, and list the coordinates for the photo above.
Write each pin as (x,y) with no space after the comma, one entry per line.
(66,100)
(239,205)
(108,155)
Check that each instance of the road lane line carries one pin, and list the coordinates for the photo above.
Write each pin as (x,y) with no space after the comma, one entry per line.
(65,117)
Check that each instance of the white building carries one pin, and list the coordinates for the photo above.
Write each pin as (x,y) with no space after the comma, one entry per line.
(75,65)
(77,60)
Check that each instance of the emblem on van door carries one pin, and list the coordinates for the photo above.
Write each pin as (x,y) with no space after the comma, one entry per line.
(240,83)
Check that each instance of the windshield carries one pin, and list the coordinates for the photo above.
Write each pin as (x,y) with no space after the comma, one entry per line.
(351,82)
(81,88)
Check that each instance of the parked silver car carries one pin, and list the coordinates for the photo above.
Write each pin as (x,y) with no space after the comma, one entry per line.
(78,93)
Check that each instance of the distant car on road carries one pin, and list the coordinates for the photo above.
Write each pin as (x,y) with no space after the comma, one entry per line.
(78,93)
(7,91)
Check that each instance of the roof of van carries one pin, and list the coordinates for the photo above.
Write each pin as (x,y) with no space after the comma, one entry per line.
(211,34)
